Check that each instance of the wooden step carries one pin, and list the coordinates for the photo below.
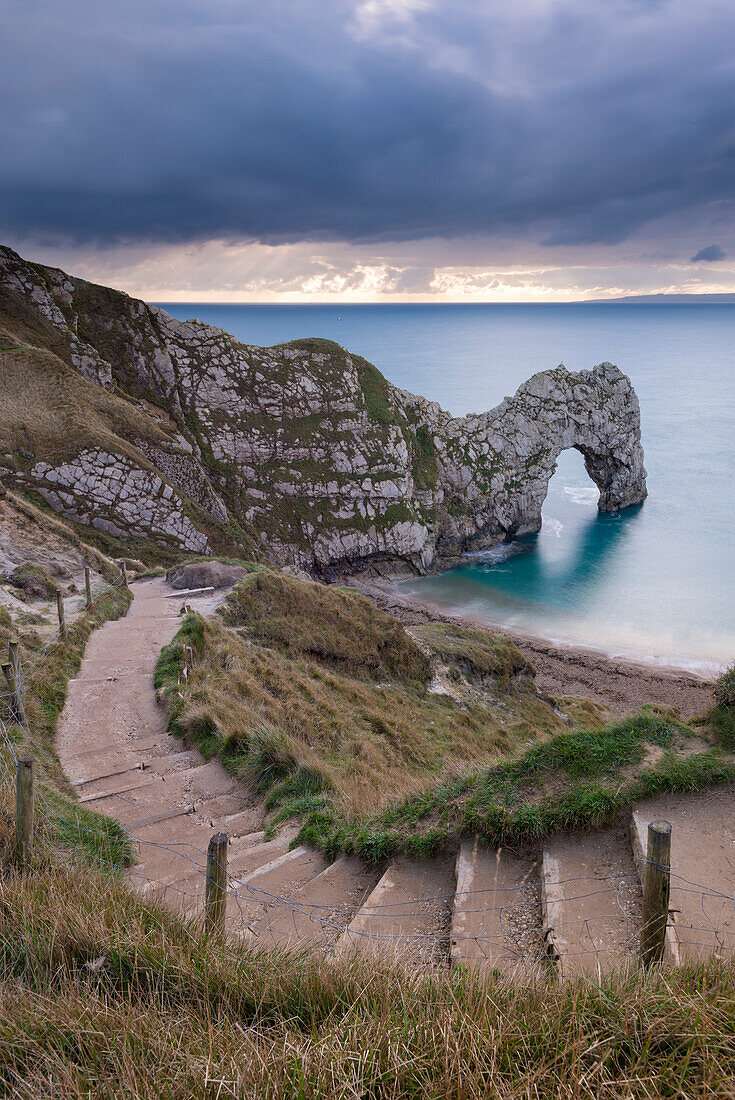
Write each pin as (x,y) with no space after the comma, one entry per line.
(408,914)
(591,899)
(497,912)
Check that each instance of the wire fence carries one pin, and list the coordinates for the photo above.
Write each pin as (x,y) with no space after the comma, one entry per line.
(503,924)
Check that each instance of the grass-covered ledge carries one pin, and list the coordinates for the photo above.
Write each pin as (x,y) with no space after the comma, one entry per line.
(330,708)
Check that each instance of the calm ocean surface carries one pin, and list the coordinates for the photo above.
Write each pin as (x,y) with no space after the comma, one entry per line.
(654,582)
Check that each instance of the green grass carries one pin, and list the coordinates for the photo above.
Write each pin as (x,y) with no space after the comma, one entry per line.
(720,721)
(425,467)
(577,780)
(103,994)
(376,391)
(61,821)
(725,689)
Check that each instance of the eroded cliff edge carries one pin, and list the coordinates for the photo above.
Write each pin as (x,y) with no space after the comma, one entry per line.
(122,417)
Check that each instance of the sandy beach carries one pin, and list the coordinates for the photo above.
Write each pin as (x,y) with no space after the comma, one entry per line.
(622,685)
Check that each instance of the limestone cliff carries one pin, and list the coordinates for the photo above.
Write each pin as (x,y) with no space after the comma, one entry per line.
(304,447)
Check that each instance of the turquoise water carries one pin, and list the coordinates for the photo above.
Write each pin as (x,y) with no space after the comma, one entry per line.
(653,582)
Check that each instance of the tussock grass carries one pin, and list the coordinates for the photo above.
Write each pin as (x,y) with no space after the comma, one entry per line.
(720,720)
(102,994)
(377,765)
(323,702)
(725,688)
(33,582)
(368,742)
(338,627)
(477,655)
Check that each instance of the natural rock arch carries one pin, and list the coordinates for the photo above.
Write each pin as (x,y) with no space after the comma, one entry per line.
(302,453)
(511,454)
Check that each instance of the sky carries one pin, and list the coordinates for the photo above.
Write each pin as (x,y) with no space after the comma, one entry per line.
(372,150)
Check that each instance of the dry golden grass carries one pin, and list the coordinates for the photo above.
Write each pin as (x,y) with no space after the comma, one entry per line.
(371,743)
(49,411)
(337,627)
(361,721)
(104,995)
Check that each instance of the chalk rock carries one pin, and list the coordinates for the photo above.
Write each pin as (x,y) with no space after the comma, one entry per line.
(305,448)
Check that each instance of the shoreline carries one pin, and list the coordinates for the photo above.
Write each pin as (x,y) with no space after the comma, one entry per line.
(620,683)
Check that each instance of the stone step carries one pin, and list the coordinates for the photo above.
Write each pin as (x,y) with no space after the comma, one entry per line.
(591,898)
(269,889)
(105,751)
(115,792)
(201,780)
(166,865)
(408,914)
(497,912)
(165,762)
(324,907)
(105,777)
(212,791)
(162,846)
(702,870)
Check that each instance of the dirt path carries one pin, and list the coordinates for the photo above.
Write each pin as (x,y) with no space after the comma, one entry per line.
(113,746)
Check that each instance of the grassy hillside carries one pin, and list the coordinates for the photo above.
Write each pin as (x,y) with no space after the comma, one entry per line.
(105,995)
(382,740)
(50,412)
(333,709)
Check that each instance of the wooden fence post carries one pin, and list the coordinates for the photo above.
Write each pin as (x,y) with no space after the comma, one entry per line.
(62,617)
(656,890)
(88,586)
(14,681)
(215,906)
(24,810)
(124,571)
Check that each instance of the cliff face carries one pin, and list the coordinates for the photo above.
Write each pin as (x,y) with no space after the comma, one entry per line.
(303,447)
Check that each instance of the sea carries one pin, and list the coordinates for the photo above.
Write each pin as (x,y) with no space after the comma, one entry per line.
(655,582)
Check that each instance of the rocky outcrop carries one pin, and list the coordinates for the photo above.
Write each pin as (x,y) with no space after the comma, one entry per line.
(115,496)
(305,447)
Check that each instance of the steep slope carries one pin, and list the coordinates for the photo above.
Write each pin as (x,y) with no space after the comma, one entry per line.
(333,710)
(175,427)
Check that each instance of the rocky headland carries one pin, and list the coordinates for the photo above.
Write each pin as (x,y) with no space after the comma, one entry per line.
(152,429)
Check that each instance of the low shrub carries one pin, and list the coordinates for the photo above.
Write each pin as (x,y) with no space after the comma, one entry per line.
(725,688)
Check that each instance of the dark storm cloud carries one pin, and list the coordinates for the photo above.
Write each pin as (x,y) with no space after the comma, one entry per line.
(569,122)
(710,254)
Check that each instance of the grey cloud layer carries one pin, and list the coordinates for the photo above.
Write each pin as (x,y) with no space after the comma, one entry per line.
(384,120)
(711,254)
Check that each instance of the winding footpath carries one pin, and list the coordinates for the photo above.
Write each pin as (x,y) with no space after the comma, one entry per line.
(576,903)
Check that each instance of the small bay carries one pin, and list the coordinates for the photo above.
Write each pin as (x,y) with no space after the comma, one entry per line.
(654,582)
